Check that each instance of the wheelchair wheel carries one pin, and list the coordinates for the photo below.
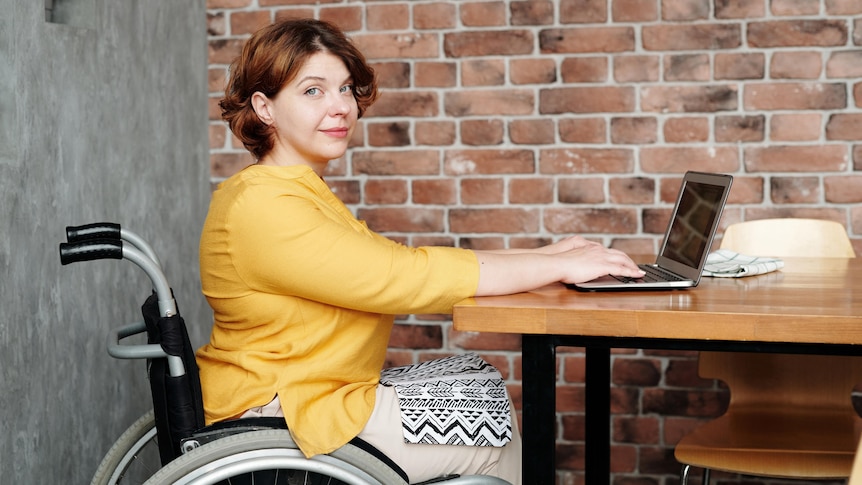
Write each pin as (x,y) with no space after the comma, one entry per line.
(271,457)
(133,458)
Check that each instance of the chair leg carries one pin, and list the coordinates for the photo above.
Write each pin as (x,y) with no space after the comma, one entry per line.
(683,474)
(686,470)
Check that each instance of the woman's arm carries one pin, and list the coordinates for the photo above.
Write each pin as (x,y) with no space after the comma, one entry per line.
(571,260)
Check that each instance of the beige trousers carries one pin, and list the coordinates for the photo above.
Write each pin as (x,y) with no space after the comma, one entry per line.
(424,462)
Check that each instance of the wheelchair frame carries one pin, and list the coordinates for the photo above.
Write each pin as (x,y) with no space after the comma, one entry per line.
(189,452)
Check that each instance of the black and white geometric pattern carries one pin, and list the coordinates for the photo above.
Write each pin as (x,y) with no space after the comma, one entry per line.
(458,400)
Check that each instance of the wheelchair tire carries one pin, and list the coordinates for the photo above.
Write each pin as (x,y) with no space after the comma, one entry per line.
(274,452)
(133,458)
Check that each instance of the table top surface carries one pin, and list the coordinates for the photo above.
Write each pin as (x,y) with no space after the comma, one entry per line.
(810,300)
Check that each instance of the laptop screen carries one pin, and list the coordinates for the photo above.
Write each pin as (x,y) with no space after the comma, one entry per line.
(691,229)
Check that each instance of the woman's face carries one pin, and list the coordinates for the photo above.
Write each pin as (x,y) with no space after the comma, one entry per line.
(314,115)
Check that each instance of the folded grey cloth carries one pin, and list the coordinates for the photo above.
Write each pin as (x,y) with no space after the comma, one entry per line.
(729,264)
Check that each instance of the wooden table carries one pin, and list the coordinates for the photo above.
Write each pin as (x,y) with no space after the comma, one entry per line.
(807,307)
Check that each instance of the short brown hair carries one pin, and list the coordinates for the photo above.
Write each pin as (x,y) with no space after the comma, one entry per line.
(271,58)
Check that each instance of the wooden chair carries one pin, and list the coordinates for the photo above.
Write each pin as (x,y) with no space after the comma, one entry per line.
(790,416)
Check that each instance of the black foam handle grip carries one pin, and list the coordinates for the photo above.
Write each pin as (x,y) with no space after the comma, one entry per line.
(91,250)
(89,232)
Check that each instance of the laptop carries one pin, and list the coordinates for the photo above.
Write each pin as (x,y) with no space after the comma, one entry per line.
(687,239)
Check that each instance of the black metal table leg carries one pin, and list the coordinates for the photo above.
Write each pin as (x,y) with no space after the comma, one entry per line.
(539,409)
(598,416)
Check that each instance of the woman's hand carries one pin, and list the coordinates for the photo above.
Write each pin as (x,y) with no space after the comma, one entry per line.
(570,260)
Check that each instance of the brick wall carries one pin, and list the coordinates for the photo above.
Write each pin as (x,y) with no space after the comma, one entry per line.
(513,123)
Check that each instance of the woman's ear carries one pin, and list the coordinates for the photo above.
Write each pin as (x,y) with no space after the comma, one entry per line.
(261,105)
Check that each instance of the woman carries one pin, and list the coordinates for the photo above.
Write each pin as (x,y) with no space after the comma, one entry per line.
(304,294)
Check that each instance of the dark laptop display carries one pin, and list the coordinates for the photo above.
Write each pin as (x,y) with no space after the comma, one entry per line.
(687,239)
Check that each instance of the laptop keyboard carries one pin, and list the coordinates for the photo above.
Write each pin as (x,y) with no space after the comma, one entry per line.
(653,274)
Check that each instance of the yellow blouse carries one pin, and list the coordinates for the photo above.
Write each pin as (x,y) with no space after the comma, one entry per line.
(304,297)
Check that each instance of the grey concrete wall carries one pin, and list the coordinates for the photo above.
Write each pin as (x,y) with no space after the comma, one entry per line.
(101,120)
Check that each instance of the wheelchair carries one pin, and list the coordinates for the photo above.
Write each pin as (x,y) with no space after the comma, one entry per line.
(170,443)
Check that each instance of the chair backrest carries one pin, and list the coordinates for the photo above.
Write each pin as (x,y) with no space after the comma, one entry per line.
(781,380)
(789,238)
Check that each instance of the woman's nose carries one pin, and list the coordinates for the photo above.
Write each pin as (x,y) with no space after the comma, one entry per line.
(341,105)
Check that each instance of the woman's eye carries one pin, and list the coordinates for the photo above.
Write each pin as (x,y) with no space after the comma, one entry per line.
(312,91)
(347,89)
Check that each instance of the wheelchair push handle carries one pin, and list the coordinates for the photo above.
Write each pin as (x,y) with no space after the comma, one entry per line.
(89,232)
(90,250)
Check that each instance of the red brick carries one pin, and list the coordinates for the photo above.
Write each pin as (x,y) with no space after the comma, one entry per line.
(583,11)
(792,8)
(687,67)
(636,68)
(303,13)
(640,430)
(796,158)
(794,96)
(795,127)
(397,46)
(679,159)
(392,75)
(242,23)
(581,190)
(482,191)
(740,9)
(531,191)
(484,341)
(416,337)
(844,64)
(347,191)
(437,15)
(591,221)
(483,72)
(797,33)
(531,132)
(843,7)
(532,71)
(671,37)
(796,65)
(686,129)
(685,9)
(684,403)
(586,40)
(683,373)
(434,191)
(224,51)
(531,12)
(584,69)
(637,130)
(488,43)
(224,165)
(437,133)
(844,126)
(636,372)
(609,99)
(739,66)
(573,426)
(402,219)
(394,16)
(467,162)
(401,162)
(690,99)
(634,10)
(413,104)
(507,221)
(632,190)
(740,128)
(217,135)
(435,74)
(489,102)
(395,134)
(482,132)
(857,94)
(348,19)
(385,191)
(583,130)
(483,14)
(794,190)
(843,189)
(585,160)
